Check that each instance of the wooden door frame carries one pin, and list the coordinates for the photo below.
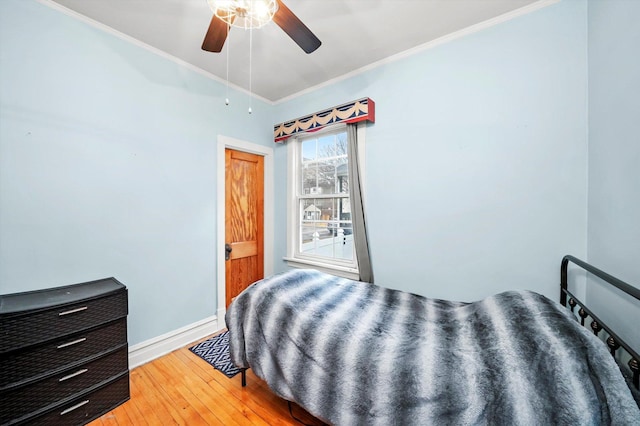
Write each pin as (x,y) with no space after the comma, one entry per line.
(225,142)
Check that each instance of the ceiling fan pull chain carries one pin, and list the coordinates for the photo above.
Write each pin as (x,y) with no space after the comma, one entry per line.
(226,99)
(250,53)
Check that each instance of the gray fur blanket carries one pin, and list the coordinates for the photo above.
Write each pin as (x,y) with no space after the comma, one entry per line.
(355,353)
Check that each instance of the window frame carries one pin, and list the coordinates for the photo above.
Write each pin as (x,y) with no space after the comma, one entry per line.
(344,268)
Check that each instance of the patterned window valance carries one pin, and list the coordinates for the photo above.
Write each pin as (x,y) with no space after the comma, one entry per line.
(362,109)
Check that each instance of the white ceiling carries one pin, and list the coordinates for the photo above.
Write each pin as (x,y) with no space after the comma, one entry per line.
(354,34)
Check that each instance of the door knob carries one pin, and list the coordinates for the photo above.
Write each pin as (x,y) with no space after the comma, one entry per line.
(227,251)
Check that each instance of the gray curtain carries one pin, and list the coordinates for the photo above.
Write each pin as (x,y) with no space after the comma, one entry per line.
(360,239)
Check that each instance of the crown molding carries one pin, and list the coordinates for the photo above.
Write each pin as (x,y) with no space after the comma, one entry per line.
(107,29)
(428,45)
(390,59)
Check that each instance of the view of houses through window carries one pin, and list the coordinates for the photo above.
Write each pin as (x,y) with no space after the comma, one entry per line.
(323,194)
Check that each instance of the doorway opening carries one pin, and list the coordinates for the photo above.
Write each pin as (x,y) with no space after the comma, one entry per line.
(266,153)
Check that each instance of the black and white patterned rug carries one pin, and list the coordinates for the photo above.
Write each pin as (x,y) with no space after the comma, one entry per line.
(216,352)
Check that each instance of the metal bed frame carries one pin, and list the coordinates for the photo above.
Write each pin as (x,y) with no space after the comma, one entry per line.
(613,340)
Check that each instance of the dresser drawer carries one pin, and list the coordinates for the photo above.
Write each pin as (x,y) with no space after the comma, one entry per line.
(19,331)
(48,358)
(23,401)
(87,407)
(63,353)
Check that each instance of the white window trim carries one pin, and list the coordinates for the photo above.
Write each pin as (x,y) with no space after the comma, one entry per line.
(340,268)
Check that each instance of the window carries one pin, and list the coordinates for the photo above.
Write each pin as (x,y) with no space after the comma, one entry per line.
(319,220)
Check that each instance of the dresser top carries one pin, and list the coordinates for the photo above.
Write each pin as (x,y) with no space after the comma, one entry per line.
(42,299)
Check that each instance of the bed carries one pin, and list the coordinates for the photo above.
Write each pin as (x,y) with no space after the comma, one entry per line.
(356,353)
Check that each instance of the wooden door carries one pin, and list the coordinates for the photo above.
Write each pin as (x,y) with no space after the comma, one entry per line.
(244,220)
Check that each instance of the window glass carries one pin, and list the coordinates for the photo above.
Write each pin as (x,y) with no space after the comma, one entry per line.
(324,230)
(327,146)
(328,173)
(309,150)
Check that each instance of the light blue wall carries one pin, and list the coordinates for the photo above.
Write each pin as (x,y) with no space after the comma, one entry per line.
(108,166)
(476,166)
(614,156)
(477,163)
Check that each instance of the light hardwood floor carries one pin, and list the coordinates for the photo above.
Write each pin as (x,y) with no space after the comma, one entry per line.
(182,389)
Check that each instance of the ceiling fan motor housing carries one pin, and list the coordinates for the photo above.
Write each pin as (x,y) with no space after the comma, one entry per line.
(244,13)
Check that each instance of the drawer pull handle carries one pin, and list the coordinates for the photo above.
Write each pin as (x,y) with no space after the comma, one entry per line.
(75,407)
(72,375)
(72,311)
(75,342)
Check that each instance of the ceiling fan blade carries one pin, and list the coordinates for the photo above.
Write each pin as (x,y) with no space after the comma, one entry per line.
(216,35)
(295,29)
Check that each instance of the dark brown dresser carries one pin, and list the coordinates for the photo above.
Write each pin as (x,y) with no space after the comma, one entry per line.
(63,353)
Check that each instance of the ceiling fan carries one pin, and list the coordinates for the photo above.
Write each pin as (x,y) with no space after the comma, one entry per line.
(254,14)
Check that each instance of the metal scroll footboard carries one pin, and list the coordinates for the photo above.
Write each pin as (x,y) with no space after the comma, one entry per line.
(613,341)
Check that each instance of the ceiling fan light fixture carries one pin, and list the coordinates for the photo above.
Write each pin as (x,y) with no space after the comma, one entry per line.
(245,14)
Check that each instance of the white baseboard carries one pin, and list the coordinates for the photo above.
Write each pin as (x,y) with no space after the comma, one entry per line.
(221,313)
(151,349)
